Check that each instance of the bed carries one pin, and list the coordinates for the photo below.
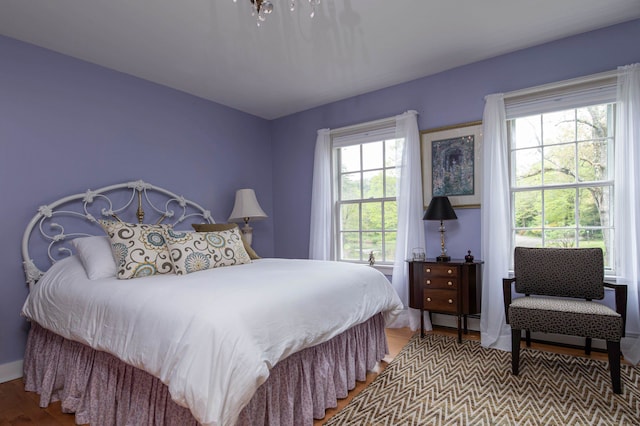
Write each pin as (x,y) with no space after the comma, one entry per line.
(245,341)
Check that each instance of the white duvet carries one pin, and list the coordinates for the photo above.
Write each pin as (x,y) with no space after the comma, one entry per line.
(211,336)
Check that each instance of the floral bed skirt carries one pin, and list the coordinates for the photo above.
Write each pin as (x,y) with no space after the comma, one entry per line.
(102,390)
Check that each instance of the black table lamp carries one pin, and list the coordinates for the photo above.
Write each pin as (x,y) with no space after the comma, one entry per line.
(440,209)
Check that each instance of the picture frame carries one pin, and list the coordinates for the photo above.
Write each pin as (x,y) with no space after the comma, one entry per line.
(452,164)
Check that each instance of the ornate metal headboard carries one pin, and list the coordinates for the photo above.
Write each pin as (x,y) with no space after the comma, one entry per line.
(79,211)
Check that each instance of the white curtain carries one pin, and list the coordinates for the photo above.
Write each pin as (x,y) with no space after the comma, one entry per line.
(410,210)
(409,202)
(495,224)
(627,202)
(321,229)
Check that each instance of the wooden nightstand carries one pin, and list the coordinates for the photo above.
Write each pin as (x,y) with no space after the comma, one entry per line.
(453,288)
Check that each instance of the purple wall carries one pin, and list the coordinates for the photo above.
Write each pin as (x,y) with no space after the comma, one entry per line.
(451,97)
(67,126)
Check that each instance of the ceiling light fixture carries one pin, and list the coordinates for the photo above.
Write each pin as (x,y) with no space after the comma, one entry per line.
(261,8)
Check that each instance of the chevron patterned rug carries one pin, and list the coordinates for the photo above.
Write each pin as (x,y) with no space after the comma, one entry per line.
(437,381)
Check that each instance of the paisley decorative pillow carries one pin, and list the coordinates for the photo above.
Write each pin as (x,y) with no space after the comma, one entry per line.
(197,251)
(139,250)
(214,227)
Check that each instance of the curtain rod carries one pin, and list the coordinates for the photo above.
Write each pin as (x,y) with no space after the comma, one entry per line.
(559,84)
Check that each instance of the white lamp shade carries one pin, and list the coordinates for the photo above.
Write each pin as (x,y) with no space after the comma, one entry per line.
(246,206)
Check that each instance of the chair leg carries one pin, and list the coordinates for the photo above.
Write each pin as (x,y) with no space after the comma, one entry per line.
(515,351)
(613,350)
(527,336)
(587,346)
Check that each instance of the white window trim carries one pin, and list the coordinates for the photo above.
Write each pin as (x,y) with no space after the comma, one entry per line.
(356,134)
(565,94)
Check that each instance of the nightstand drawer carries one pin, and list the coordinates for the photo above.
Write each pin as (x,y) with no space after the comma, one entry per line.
(433,270)
(441,301)
(450,283)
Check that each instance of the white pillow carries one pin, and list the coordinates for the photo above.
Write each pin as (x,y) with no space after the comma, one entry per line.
(96,256)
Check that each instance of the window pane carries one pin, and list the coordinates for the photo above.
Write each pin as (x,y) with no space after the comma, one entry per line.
(372,156)
(371,241)
(563,238)
(390,182)
(390,147)
(594,205)
(528,209)
(350,245)
(559,207)
(373,184)
(527,132)
(372,216)
(350,186)
(390,215)
(350,217)
(592,238)
(389,246)
(593,161)
(529,238)
(559,164)
(527,167)
(350,158)
(559,127)
(592,122)
(607,244)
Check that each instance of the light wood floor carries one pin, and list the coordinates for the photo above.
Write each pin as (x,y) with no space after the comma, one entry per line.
(18,407)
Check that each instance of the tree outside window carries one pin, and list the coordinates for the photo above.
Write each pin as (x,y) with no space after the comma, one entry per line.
(562,179)
(366,201)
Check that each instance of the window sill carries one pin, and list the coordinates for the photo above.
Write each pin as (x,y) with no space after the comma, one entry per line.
(385,269)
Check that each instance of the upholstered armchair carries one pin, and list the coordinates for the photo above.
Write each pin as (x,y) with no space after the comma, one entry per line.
(560,286)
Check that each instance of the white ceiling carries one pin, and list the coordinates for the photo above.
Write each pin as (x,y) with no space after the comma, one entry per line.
(214,49)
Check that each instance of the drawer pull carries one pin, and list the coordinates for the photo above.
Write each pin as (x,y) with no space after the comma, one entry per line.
(428,299)
(449,283)
(449,271)
(450,300)
(428,269)
(428,281)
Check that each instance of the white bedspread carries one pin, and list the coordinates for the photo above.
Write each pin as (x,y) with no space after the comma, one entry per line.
(211,336)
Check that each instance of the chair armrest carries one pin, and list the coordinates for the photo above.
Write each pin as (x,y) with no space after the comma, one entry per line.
(506,291)
(621,301)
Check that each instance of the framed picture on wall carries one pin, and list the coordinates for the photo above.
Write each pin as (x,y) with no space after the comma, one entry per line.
(451,164)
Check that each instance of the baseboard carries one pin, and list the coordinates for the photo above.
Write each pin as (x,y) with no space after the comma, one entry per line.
(474,324)
(10,371)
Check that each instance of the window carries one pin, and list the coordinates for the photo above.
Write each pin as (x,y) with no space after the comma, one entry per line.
(364,191)
(562,178)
